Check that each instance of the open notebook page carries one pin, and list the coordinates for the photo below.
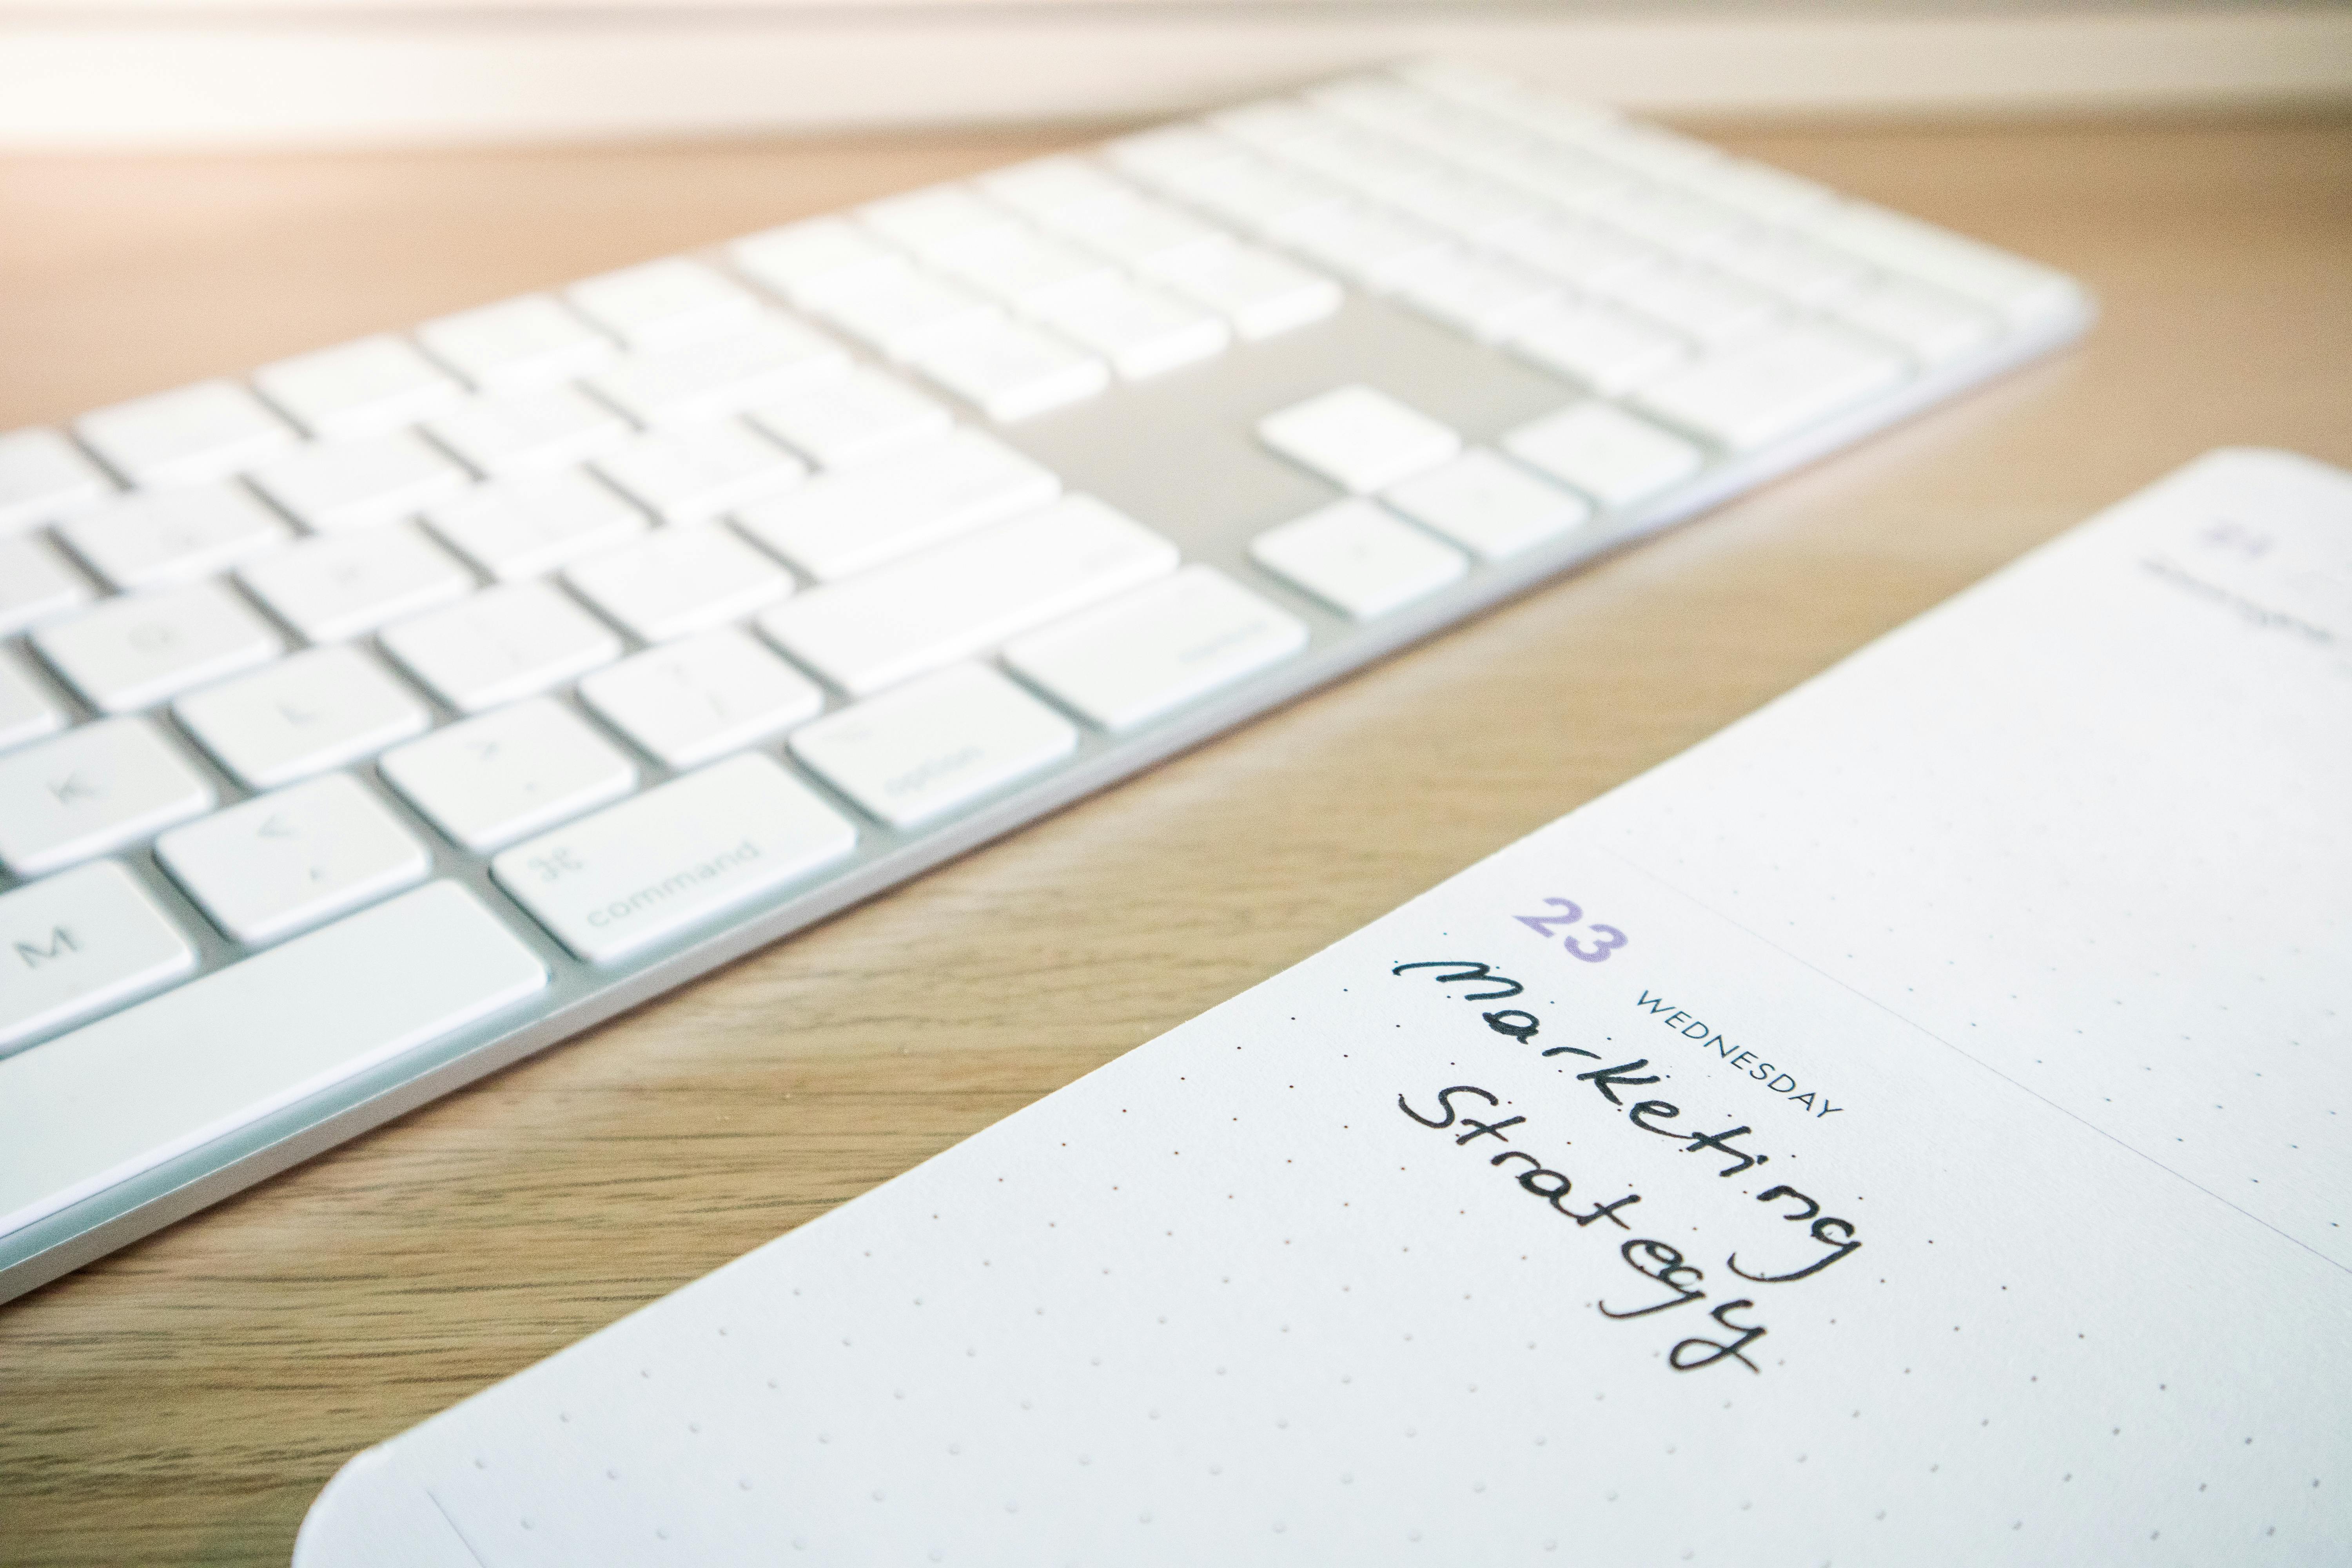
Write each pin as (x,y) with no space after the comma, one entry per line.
(1909,1127)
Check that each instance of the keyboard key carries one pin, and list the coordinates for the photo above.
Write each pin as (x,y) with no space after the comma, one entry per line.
(681,580)
(1607,348)
(1044,188)
(265,868)
(693,701)
(170,536)
(1645,149)
(1152,155)
(1752,395)
(685,476)
(319,710)
(810,262)
(849,421)
(1674,220)
(1582,254)
(1463,206)
(117,1097)
(1258,292)
(1373,167)
(1766,193)
(1022,269)
(1010,371)
(968,595)
(900,311)
(91,790)
(1561,175)
(649,869)
(365,388)
(500,645)
(1129,661)
(365,483)
(1606,452)
(1931,325)
(846,522)
(208,431)
(1365,159)
(911,755)
(1705,305)
(1793,267)
(516,345)
(349,584)
(44,477)
(1367,246)
(489,781)
(36,583)
(1358,438)
(1311,132)
(937,222)
(1382,104)
(78,944)
(1482,295)
(1399,111)
(27,712)
(526,431)
(1488,505)
(1254,193)
(1274,125)
(530,524)
(1141,332)
(712,379)
(1137,231)
(662,304)
(1471,140)
(2009,285)
(132,652)
(1358,559)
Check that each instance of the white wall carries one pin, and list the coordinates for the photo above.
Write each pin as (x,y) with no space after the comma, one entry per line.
(192,72)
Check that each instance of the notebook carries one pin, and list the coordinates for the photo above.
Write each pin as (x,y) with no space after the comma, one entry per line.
(1909,1127)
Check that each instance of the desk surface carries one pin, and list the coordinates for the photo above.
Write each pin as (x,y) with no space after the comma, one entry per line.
(183,1400)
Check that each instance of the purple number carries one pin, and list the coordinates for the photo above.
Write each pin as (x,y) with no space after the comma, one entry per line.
(1541,924)
(1612,939)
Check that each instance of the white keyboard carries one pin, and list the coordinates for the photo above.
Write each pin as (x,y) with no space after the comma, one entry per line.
(410,705)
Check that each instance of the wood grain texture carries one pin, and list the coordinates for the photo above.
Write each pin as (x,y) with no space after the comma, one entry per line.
(183,1401)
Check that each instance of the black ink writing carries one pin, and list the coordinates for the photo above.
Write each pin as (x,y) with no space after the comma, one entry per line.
(1832,1232)
(1467,970)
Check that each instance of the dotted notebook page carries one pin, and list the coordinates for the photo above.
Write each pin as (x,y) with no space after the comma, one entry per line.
(1898,1131)
(2089,826)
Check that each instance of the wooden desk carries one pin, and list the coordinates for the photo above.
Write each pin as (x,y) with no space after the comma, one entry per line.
(182,1401)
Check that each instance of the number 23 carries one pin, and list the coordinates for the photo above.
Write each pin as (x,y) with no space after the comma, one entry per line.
(1611,938)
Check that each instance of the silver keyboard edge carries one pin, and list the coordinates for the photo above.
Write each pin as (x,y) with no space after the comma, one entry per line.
(107,1221)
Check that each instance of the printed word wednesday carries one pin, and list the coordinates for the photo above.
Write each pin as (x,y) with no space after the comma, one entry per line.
(1778,1080)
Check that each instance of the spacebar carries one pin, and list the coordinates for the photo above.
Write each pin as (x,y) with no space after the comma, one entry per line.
(98,1106)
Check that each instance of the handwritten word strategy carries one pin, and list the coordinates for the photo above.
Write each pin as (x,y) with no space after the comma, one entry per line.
(1653,1260)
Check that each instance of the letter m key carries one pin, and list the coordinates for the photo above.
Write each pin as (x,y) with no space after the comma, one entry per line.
(62,941)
